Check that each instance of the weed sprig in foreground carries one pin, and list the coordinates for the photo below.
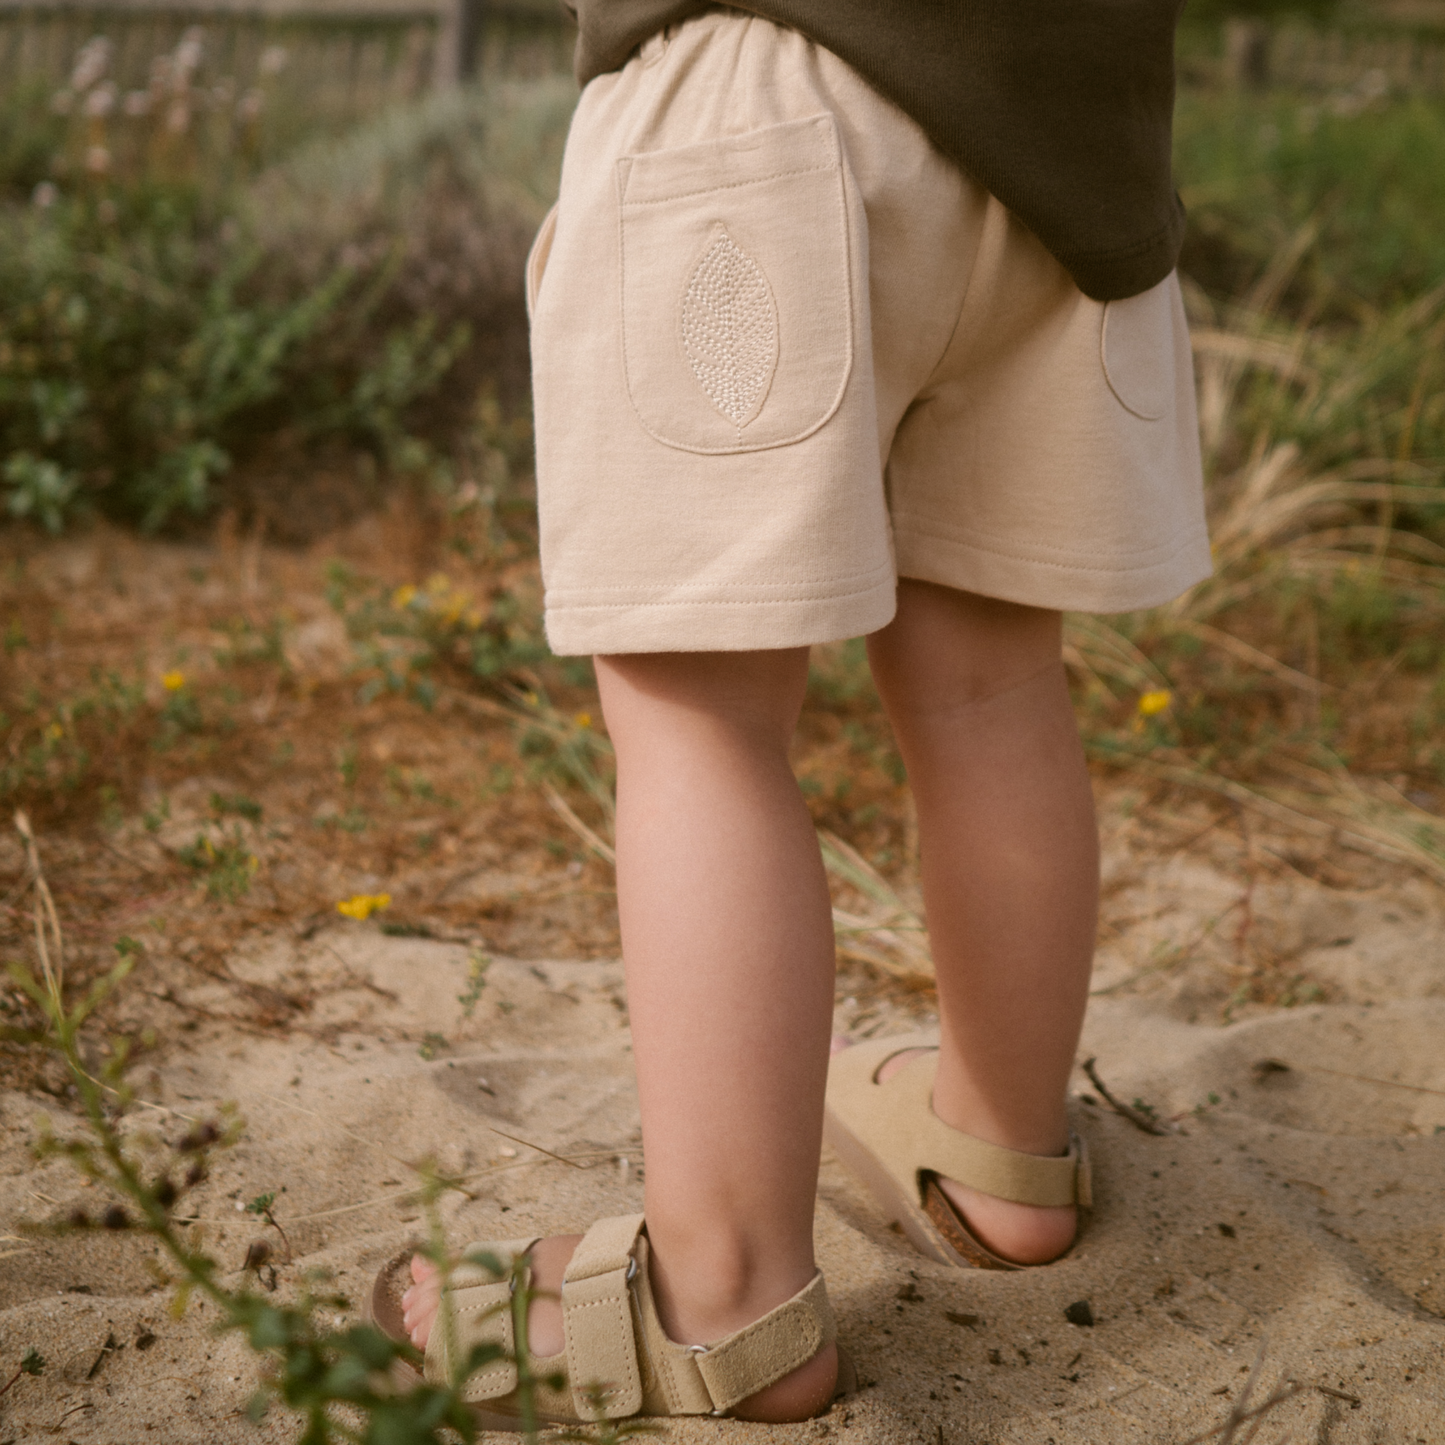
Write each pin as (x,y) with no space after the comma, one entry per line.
(328,1376)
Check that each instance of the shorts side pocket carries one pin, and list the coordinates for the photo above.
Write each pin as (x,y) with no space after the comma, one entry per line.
(537,259)
(738,306)
(1136,348)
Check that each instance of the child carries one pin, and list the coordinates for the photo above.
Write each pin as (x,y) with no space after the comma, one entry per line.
(809,364)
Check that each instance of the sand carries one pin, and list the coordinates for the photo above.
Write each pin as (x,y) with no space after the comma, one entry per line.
(1291,1216)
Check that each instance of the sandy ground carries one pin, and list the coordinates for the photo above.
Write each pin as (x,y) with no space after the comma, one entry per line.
(1295,1214)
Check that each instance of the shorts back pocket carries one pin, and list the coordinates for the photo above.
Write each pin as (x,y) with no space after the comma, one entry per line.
(737,288)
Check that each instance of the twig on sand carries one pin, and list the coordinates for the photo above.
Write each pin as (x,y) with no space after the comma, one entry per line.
(1238,1417)
(527,1144)
(1137,1117)
(1239,1411)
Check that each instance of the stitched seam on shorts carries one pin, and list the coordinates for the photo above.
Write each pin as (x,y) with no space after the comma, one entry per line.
(705,602)
(852,577)
(940,534)
(853,582)
(731,186)
(949,531)
(927,390)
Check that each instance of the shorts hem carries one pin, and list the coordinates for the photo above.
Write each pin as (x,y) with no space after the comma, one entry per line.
(1106,585)
(688,625)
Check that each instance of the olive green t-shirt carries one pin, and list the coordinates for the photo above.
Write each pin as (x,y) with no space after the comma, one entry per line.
(1062,108)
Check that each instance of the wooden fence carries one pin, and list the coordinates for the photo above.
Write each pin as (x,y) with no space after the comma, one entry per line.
(339,59)
(343,59)
(1408,64)
(1369,64)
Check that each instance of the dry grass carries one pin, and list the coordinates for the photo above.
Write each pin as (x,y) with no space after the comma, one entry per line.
(229,735)
(1301,679)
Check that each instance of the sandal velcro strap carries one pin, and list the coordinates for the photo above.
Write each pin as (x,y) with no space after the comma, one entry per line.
(476,1309)
(763,1352)
(597,1320)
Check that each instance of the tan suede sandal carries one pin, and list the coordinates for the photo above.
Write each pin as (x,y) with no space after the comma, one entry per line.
(888,1136)
(616,1349)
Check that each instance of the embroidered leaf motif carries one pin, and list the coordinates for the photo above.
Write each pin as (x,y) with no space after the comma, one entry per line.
(730,330)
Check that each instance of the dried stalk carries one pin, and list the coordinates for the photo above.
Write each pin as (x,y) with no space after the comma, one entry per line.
(1136,1117)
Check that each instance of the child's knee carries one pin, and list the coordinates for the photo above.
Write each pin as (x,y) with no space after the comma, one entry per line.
(946,648)
(756,695)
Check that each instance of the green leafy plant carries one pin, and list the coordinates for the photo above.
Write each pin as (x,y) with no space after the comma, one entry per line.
(32,1362)
(477,965)
(262,1205)
(330,1376)
(144,352)
(168,314)
(406,638)
(227,865)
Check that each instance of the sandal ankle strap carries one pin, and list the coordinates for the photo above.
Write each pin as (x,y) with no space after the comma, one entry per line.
(919,1142)
(760,1354)
(609,1277)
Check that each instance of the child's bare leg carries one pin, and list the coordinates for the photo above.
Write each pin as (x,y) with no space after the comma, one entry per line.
(728,940)
(976,693)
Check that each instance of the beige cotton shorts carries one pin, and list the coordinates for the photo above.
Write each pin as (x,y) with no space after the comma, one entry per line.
(785,352)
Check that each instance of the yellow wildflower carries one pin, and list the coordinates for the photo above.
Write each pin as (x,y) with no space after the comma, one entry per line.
(1155,701)
(55,732)
(174,680)
(363,905)
(402,596)
(583,719)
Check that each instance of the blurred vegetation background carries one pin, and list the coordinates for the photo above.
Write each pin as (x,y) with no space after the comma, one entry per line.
(266,267)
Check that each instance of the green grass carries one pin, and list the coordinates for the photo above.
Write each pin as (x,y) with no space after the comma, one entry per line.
(1255,170)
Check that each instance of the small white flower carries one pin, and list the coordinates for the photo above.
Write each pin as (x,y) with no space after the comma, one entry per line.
(100,102)
(91,62)
(188,54)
